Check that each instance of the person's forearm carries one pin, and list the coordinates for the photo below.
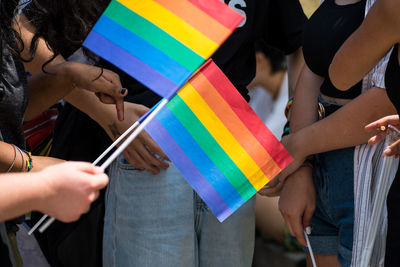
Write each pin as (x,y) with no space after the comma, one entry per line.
(88,103)
(10,157)
(305,103)
(19,194)
(295,62)
(45,89)
(345,127)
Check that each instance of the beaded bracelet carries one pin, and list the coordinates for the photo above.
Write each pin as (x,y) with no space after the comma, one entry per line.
(288,106)
(286,129)
(28,161)
(22,159)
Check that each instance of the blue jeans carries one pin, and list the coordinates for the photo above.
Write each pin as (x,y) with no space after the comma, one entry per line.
(157,220)
(333,219)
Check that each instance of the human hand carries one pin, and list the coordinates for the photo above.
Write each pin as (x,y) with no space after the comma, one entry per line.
(69,189)
(105,83)
(141,153)
(297,202)
(290,143)
(394,148)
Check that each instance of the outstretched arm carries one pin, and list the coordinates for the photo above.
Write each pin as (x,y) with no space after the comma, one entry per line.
(140,152)
(344,128)
(366,46)
(64,191)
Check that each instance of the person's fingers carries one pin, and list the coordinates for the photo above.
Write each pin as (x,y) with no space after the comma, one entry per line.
(308,213)
(153,160)
(153,146)
(377,138)
(271,191)
(140,162)
(298,228)
(133,158)
(273,183)
(393,119)
(120,109)
(393,149)
(153,164)
(93,196)
(99,181)
(288,223)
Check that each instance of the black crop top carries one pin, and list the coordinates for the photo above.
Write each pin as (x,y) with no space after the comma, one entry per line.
(392,78)
(325,32)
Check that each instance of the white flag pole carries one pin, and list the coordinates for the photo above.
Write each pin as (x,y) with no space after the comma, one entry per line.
(138,129)
(310,249)
(116,153)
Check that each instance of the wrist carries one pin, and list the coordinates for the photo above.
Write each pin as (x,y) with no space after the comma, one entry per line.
(40,191)
(300,144)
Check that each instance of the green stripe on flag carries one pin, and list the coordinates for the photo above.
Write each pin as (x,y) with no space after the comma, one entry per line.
(154,35)
(212,149)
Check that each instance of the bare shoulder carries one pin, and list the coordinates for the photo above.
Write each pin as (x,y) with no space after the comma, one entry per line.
(389,9)
(386,14)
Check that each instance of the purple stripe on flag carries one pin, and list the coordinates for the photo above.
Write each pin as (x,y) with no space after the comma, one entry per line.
(130,64)
(200,184)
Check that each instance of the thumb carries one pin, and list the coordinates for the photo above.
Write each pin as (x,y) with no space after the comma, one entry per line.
(100,181)
(308,213)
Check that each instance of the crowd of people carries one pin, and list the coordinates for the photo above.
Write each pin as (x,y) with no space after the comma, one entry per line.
(341,102)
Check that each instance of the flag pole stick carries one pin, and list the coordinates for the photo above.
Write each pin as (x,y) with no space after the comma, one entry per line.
(117,152)
(116,142)
(130,129)
(310,249)
(135,133)
(51,220)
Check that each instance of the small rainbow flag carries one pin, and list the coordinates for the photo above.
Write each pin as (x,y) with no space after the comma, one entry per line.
(217,141)
(161,43)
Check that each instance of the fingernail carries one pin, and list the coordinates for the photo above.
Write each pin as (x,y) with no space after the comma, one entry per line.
(123,90)
(308,230)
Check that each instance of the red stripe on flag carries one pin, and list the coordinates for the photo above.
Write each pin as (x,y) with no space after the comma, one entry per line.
(246,114)
(220,12)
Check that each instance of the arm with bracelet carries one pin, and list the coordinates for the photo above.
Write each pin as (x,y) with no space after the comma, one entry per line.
(15,159)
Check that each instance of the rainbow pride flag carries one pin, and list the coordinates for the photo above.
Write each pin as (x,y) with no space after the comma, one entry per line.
(161,43)
(217,141)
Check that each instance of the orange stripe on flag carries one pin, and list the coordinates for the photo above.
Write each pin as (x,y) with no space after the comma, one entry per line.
(237,128)
(197,18)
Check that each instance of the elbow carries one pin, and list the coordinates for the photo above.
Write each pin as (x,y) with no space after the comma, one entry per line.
(338,79)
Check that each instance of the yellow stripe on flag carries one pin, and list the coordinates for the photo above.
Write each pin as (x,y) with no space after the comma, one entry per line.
(223,137)
(173,25)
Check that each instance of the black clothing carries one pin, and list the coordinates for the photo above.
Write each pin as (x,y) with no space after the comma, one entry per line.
(14,100)
(392,82)
(13,103)
(77,137)
(327,29)
(392,78)
(278,22)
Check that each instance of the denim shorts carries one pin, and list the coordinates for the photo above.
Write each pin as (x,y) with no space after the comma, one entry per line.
(333,219)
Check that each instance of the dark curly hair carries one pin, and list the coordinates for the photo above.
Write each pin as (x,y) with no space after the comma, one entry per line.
(64,24)
(9,37)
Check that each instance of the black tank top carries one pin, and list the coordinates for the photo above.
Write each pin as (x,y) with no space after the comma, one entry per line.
(325,32)
(392,78)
